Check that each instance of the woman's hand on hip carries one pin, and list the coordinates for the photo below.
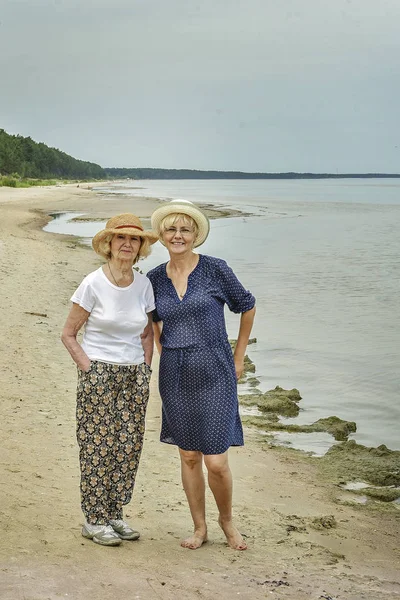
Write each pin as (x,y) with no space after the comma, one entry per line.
(85,365)
(239,366)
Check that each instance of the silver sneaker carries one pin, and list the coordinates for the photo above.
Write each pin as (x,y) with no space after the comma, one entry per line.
(101,534)
(123,530)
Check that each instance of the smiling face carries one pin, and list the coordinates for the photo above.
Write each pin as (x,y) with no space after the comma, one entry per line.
(179,235)
(125,247)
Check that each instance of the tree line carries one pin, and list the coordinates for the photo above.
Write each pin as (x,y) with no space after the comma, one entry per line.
(150,173)
(22,157)
(25,158)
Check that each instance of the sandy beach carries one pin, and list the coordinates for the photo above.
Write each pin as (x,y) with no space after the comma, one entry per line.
(305,540)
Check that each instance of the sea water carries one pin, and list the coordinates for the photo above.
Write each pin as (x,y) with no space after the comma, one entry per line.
(322,259)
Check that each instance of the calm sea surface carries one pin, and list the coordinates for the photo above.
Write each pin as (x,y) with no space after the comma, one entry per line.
(322,258)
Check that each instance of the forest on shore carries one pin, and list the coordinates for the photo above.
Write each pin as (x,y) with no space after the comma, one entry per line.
(26,162)
(150,173)
(23,158)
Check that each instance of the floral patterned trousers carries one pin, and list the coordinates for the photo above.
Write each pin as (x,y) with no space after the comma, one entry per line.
(111,410)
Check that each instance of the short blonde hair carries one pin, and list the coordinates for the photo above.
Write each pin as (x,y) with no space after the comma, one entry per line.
(104,248)
(173,218)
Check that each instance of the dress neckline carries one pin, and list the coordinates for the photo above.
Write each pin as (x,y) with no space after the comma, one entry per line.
(191,272)
(189,276)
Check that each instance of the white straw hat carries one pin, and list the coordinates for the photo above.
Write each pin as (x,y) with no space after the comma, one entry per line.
(184,207)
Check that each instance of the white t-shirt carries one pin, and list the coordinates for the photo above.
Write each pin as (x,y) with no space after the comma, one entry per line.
(117,317)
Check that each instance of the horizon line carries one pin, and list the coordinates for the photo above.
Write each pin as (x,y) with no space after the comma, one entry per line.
(259,173)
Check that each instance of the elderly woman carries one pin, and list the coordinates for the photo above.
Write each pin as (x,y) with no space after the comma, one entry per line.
(198,372)
(114,303)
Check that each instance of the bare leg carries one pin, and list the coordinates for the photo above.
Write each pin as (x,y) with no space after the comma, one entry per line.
(194,486)
(220,482)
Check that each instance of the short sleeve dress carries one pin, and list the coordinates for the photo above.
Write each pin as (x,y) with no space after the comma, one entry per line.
(197,379)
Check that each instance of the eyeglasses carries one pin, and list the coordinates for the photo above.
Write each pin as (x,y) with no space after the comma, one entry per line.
(184,231)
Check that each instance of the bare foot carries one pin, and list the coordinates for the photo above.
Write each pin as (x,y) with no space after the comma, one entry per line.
(195,541)
(233,536)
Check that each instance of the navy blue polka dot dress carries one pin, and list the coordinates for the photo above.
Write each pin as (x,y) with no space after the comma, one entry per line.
(197,379)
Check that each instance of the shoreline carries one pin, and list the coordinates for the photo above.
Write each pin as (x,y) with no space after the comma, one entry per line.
(322,433)
(282,502)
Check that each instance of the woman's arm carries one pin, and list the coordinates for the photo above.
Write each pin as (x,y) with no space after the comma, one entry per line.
(75,321)
(147,338)
(246,324)
(157,327)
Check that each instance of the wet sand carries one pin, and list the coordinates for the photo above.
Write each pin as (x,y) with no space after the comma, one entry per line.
(306,540)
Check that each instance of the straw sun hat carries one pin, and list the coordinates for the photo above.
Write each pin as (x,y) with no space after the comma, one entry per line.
(126,224)
(182,207)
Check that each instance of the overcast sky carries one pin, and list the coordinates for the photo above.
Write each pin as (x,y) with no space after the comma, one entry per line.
(251,85)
